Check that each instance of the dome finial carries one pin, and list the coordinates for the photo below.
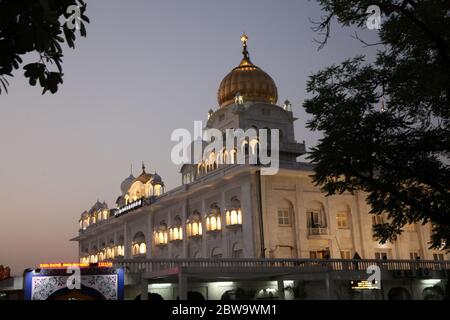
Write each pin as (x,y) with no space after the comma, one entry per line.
(244,39)
(143,167)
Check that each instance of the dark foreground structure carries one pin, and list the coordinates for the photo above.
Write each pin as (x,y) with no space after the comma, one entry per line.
(221,279)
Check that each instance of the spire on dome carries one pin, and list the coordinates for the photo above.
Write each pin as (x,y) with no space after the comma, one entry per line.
(246,60)
(244,40)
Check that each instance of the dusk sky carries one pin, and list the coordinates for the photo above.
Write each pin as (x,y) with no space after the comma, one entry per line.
(145,69)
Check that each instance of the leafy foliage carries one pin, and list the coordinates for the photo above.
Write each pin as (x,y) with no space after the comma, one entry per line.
(386,123)
(37,26)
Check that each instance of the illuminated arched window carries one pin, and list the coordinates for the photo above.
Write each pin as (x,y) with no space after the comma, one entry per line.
(135,249)
(157,190)
(213,219)
(254,146)
(176,231)
(138,245)
(233,156)
(85,259)
(212,161)
(233,215)
(160,236)
(194,225)
(219,158)
(85,222)
(93,257)
(101,255)
(109,253)
(225,156)
(110,250)
(119,249)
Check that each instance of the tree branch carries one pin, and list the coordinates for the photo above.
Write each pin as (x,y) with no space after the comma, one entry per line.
(325,24)
(366,44)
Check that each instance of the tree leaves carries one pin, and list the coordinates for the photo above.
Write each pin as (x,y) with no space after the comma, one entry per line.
(37,27)
(49,81)
(4,84)
(399,157)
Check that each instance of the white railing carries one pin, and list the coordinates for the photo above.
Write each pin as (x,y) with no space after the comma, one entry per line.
(317,231)
(153,265)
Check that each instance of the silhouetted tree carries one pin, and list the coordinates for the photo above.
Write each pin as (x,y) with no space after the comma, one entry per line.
(38,26)
(385,123)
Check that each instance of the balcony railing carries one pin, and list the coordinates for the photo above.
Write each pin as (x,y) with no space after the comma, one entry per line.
(317,231)
(153,265)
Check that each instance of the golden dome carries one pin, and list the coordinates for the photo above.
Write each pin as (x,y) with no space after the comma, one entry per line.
(144,177)
(247,80)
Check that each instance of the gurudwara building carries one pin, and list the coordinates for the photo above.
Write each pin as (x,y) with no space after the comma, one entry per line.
(231,232)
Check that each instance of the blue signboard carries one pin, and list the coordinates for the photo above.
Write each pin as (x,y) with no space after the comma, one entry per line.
(74,283)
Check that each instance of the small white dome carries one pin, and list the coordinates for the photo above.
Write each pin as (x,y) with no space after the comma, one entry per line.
(98,206)
(156,179)
(126,184)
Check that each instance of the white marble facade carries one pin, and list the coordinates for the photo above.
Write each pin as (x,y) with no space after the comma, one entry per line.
(232,211)
(297,220)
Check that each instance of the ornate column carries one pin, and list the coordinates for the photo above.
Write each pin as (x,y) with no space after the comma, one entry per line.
(203,238)
(126,242)
(223,208)
(149,235)
(169,224)
(184,215)
(300,212)
(248,244)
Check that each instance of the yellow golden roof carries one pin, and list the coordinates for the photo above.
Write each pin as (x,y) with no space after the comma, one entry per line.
(250,81)
(144,177)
